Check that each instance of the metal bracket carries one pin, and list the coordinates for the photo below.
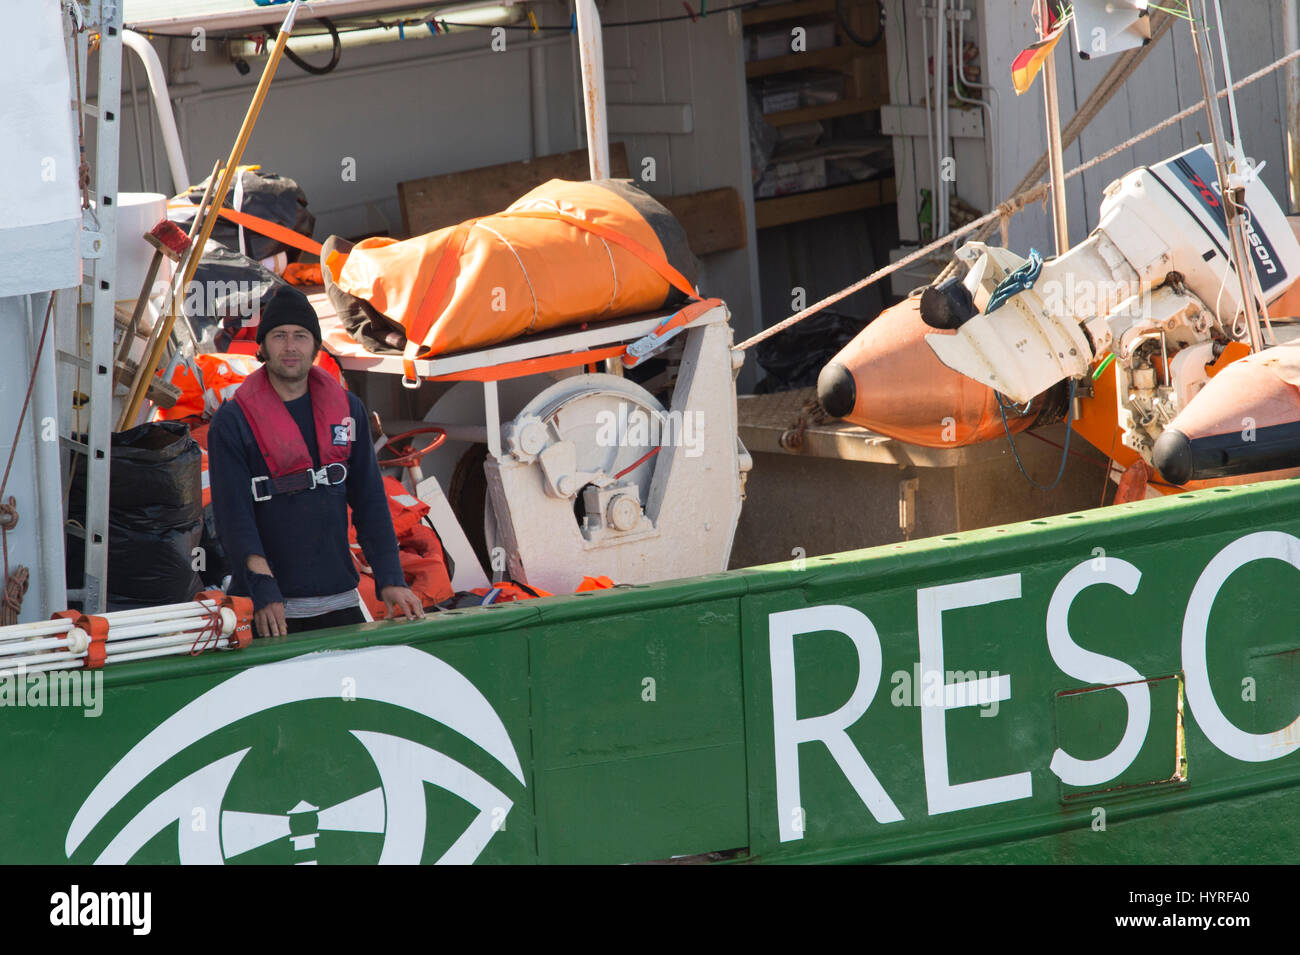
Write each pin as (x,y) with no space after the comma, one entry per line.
(907,506)
(92,244)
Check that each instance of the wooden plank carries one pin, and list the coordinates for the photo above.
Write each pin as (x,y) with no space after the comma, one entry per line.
(808,114)
(786,11)
(825,202)
(714,220)
(829,57)
(437,201)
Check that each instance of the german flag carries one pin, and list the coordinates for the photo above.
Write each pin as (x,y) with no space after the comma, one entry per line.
(1030,60)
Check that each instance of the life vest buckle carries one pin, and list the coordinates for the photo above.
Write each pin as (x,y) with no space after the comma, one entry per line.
(321,478)
(306,480)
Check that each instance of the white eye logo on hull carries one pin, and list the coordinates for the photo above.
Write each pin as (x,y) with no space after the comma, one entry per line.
(401,676)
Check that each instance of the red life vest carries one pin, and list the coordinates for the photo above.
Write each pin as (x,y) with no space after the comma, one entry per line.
(279,439)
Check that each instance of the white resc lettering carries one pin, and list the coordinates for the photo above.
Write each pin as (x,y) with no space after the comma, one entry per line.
(1097,668)
(789,731)
(1247,747)
(931,602)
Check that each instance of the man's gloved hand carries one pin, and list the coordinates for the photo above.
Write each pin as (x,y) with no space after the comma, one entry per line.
(401,599)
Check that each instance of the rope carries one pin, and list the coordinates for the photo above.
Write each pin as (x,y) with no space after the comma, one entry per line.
(209,636)
(1012,205)
(1060,472)
(11,605)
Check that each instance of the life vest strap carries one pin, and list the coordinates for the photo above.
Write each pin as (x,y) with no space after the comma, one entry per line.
(307,480)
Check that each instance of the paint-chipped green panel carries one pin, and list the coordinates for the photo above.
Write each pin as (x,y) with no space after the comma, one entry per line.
(639,733)
(644,808)
(1091,724)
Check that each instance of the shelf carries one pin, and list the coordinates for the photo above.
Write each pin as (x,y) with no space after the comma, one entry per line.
(782,210)
(786,11)
(830,57)
(808,114)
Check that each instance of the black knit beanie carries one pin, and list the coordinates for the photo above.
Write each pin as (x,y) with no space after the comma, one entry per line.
(288,306)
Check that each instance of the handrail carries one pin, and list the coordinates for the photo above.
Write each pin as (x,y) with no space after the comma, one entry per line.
(162,106)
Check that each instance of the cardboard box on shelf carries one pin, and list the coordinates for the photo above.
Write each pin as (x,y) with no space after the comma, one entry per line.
(785,178)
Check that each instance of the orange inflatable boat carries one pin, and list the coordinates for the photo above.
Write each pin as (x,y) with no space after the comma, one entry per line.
(1245,421)
(889,380)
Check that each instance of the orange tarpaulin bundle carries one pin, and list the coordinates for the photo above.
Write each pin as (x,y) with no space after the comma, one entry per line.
(564,254)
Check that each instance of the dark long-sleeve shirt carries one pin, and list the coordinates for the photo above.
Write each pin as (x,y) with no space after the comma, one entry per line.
(303,536)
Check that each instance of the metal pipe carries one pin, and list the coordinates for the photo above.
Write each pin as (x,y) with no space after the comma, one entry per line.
(114,652)
(135,122)
(158,613)
(136,631)
(1291,41)
(163,106)
(1227,79)
(930,136)
(168,613)
(1055,163)
(940,216)
(537,93)
(592,52)
(25,647)
(993,105)
(45,408)
(1239,249)
(959,74)
(65,661)
(312,43)
(148,654)
(37,628)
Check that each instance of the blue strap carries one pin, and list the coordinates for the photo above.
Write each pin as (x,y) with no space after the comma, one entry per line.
(1015,283)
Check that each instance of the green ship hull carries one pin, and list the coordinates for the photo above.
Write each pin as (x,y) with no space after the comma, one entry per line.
(1119,685)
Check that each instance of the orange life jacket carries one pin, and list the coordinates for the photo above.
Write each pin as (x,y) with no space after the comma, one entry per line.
(420,551)
(564,254)
(508,591)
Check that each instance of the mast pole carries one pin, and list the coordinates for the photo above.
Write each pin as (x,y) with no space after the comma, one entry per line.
(1055,164)
(1233,197)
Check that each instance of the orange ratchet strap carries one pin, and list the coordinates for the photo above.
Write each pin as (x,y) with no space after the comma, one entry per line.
(272,230)
(94,627)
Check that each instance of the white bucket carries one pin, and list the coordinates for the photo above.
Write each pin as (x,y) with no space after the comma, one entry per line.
(137,213)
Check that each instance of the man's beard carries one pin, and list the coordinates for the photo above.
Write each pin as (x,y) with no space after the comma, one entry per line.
(278,369)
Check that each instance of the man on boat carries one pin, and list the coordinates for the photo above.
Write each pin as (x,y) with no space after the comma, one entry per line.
(287,457)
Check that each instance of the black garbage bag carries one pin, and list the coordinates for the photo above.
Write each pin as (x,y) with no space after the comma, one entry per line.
(215,566)
(155,517)
(266,195)
(226,295)
(795,357)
